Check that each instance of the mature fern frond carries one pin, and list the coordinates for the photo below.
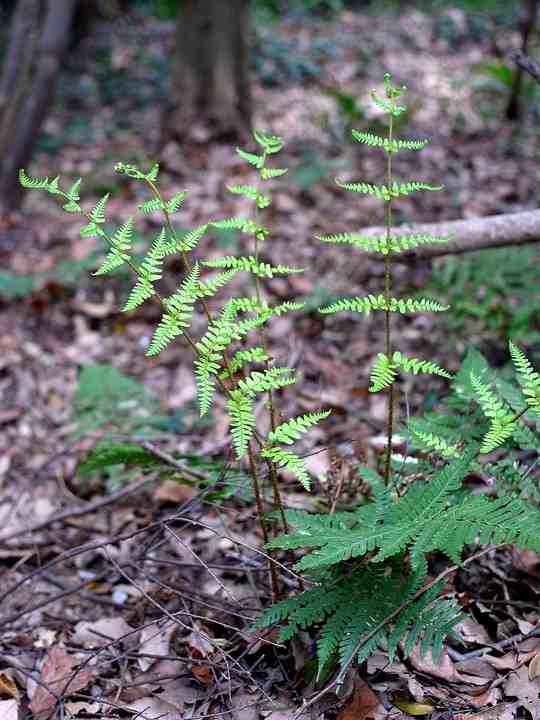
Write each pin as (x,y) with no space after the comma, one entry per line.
(288,432)
(151,206)
(243,421)
(291,462)
(502,420)
(252,265)
(97,213)
(191,239)
(415,366)
(148,272)
(242,358)
(388,145)
(378,302)
(119,250)
(206,368)
(528,378)
(249,191)
(383,373)
(177,200)
(178,314)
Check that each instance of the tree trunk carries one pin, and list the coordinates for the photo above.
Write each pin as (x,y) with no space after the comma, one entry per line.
(38,39)
(513,108)
(210,83)
(481,233)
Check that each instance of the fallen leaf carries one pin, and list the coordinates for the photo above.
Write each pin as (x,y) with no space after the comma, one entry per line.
(8,687)
(172,491)
(155,640)
(9,710)
(526,691)
(503,711)
(100,633)
(444,669)
(364,704)
(534,667)
(411,707)
(153,708)
(58,674)
(89,708)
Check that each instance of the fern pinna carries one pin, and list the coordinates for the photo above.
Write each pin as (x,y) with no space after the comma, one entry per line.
(388,363)
(243,374)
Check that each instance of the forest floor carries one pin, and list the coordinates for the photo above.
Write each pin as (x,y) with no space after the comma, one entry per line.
(146,582)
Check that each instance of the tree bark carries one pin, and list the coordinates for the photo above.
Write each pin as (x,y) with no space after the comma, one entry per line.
(210,76)
(494,231)
(40,34)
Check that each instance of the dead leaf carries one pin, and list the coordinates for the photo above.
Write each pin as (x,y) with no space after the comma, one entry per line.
(364,704)
(8,687)
(153,708)
(526,691)
(89,708)
(411,707)
(58,674)
(9,710)
(155,640)
(444,669)
(534,667)
(503,711)
(172,491)
(101,633)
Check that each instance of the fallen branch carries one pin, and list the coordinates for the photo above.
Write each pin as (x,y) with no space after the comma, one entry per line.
(510,229)
(525,63)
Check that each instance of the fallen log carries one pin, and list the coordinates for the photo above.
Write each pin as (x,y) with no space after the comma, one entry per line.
(494,231)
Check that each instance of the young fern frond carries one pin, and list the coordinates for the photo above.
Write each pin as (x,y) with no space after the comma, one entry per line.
(528,378)
(252,265)
(242,358)
(435,443)
(288,432)
(243,421)
(502,421)
(380,244)
(190,240)
(119,248)
(415,366)
(148,272)
(261,382)
(383,373)
(290,461)
(386,192)
(208,288)
(179,310)
(380,302)
(390,146)
(255,160)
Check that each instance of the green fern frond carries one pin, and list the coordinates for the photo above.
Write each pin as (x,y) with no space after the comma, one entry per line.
(384,192)
(148,272)
(97,214)
(190,240)
(242,358)
(414,365)
(249,191)
(388,145)
(208,288)
(270,143)
(73,192)
(177,200)
(252,265)
(528,378)
(270,173)
(178,314)
(255,160)
(151,206)
(262,382)
(36,183)
(291,462)
(436,444)
(206,368)
(380,244)
(502,420)
(378,302)
(243,422)
(288,432)
(153,173)
(119,250)
(383,373)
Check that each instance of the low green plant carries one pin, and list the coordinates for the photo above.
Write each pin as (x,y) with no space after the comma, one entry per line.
(368,567)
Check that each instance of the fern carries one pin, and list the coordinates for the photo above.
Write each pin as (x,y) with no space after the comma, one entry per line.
(120,246)
(386,192)
(243,422)
(379,302)
(242,358)
(288,432)
(380,244)
(388,145)
(502,420)
(148,272)
(528,378)
(290,461)
(252,265)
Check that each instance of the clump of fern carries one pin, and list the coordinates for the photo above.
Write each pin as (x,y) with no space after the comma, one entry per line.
(223,356)
(368,567)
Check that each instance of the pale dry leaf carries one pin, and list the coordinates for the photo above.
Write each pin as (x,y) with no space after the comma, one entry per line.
(88,708)
(172,491)
(503,711)
(9,710)
(153,708)
(473,632)
(534,667)
(60,676)
(525,690)
(8,686)
(154,640)
(100,633)
(444,669)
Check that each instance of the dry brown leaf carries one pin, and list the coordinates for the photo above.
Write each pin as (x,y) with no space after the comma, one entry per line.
(534,667)
(472,631)
(155,640)
(153,708)
(8,687)
(503,711)
(525,690)
(100,633)
(364,704)
(444,669)
(413,708)
(58,674)
(89,708)
(9,710)
(172,491)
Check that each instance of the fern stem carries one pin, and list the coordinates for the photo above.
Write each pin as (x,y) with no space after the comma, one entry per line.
(387,314)
(262,521)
